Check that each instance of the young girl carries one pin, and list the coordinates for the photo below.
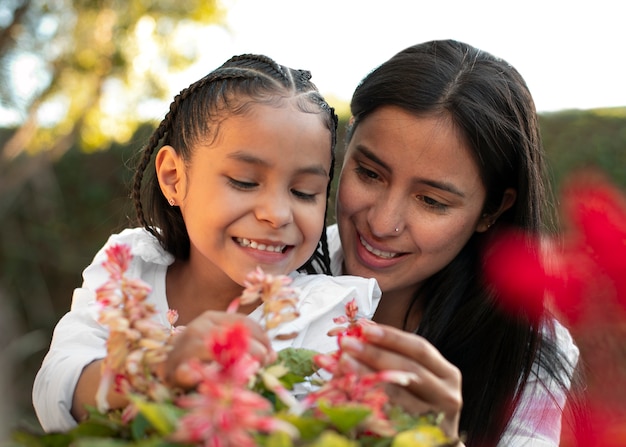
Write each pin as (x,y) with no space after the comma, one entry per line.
(241,180)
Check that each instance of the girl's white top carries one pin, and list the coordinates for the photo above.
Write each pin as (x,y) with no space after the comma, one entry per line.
(79,339)
(536,421)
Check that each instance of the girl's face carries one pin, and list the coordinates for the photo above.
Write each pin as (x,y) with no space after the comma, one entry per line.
(412,174)
(256,195)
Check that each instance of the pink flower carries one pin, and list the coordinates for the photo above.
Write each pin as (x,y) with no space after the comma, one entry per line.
(136,343)
(224,412)
(353,388)
(279,300)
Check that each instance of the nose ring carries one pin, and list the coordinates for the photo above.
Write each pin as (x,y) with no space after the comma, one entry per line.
(397,229)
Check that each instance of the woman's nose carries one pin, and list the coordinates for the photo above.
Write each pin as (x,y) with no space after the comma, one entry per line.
(387,217)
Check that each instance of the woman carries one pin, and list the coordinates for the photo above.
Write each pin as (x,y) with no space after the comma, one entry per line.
(444,151)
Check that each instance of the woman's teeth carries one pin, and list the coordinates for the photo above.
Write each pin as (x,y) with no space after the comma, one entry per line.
(377,252)
(263,247)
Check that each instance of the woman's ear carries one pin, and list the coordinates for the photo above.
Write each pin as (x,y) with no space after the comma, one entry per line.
(170,171)
(488,219)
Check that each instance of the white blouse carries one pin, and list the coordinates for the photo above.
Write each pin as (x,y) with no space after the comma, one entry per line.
(79,339)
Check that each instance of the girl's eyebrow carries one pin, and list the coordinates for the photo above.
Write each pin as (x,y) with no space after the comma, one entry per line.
(444,186)
(249,158)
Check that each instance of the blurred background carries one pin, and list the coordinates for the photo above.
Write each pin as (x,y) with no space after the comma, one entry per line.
(83,83)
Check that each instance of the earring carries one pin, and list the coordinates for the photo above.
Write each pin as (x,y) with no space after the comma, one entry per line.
(172,202)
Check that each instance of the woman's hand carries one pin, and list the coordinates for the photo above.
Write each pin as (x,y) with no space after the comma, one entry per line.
(438,387)
(189,344)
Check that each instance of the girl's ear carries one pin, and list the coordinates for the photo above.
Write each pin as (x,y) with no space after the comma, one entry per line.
(170,171)
(487,220)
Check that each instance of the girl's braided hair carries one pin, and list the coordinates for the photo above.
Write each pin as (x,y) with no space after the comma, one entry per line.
(194,117)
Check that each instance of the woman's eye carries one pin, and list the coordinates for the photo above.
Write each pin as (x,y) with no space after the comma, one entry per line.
(432,203)
(364,172)
(238,184)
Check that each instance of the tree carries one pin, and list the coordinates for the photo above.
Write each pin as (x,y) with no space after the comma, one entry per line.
(96,61)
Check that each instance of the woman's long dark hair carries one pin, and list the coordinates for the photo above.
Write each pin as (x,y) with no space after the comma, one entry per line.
(489,102)
(194,117)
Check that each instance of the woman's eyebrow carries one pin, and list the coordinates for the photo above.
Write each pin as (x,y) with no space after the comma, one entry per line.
(369,154)
(444,186)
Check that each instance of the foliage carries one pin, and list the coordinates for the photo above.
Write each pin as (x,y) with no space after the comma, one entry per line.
(237,402)
(96,61)
(577,139)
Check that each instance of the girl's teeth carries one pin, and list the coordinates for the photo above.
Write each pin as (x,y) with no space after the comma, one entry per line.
(263,247)
(377,252)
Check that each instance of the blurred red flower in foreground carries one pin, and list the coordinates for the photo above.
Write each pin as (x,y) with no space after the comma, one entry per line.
(580,275)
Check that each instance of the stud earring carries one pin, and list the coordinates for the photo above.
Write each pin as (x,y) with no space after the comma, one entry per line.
(171,202)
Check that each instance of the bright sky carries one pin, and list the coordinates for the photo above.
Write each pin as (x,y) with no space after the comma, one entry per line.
(572,53)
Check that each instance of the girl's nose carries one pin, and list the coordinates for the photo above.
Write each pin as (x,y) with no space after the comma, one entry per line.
(275,209)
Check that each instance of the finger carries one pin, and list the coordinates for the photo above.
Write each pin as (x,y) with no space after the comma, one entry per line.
(186,377)
(440,393)
(411,346)
(260,343)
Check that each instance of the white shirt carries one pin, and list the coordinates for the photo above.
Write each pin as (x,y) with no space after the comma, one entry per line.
(536,422)
(79,339)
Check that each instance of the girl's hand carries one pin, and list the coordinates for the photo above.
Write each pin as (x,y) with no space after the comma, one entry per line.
(438,388)
(190,344)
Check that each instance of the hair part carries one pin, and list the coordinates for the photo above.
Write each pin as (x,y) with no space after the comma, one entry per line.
(194,117)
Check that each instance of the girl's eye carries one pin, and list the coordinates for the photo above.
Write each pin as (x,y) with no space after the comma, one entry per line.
(241,185)
(304,196)
(365,173)
(432,203)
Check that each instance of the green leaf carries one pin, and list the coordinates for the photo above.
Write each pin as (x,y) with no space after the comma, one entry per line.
(309,427)
(163,417)
(421,436)
(345,418)
(333,439)
(299,361)
(100,442)
(140,426)
(278,439)
(26,439)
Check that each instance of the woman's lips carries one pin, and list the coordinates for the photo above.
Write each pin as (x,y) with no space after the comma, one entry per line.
(380,253)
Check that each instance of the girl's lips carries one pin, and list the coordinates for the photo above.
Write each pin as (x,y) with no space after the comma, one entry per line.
(271,247)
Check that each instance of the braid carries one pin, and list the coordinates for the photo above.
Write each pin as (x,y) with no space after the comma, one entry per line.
(141,168)
(194,116)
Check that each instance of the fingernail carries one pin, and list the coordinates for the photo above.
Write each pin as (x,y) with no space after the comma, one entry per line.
(373,331)
(348,362)
(351,344)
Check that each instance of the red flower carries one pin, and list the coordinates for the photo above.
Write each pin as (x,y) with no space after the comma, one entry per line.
(513,267)
(596,211)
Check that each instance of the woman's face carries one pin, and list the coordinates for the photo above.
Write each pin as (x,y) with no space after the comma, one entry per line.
(410,196)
